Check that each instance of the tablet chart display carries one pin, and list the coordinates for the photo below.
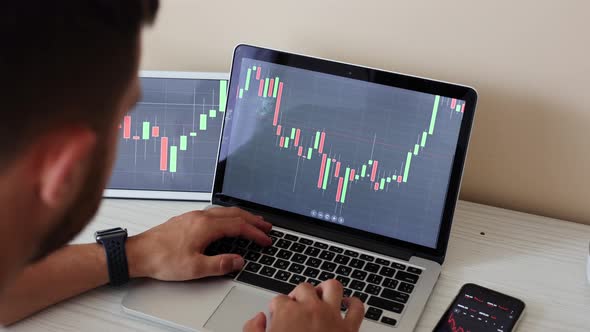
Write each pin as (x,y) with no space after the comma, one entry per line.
(170,140)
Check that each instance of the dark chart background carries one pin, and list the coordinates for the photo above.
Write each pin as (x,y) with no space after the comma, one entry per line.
(185,114)
(360,122)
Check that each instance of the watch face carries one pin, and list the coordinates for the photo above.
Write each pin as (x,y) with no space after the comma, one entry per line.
(110,233)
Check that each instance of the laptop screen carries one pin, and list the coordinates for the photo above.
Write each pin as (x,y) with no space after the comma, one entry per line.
(362,155)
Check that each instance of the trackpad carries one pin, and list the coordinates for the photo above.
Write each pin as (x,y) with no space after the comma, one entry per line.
(239,306)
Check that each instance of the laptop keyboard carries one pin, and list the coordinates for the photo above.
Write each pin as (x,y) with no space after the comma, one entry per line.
(384,286)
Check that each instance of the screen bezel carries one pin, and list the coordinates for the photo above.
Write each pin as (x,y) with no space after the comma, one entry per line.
(461,293)
(200,196)
(347,235)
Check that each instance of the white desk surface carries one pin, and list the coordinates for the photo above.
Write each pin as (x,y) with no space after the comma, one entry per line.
(539,260)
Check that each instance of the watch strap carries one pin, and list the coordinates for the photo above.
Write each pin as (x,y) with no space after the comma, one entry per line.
(116,260)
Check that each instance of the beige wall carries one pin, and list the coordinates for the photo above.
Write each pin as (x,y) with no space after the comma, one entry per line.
(528,59)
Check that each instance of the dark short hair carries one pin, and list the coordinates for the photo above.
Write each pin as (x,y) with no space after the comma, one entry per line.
(64,61)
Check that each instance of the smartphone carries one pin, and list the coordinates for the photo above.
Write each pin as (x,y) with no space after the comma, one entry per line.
(479,309)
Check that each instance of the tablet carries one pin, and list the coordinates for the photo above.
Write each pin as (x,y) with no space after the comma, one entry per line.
(168,144)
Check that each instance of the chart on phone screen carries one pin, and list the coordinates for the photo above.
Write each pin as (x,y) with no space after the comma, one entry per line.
(472,313)
(342,150)
(169,141)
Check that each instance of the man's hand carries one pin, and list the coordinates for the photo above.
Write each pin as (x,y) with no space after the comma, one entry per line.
(312,310)
(174,250)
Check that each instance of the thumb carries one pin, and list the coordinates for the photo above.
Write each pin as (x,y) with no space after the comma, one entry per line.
(256,324)
(355,313)
(219,265)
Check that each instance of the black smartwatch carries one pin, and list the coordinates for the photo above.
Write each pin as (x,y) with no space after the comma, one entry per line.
(113,241)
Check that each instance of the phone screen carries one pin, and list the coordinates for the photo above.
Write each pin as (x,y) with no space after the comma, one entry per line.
(480,309)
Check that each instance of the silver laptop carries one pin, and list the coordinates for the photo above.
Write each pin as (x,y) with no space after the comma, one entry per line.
(359,171)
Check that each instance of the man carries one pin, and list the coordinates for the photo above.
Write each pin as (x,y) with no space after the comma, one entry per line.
(69,75)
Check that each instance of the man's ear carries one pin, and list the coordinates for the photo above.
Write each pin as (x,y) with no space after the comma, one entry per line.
(65,158)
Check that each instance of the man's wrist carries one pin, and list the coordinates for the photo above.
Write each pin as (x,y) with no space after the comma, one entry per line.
(136,258)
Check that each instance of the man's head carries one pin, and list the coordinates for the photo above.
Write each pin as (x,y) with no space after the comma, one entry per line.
(69,73)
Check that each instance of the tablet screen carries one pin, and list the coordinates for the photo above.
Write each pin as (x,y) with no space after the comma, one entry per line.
(169,141)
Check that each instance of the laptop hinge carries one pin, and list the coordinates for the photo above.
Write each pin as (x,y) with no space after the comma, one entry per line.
(334,236)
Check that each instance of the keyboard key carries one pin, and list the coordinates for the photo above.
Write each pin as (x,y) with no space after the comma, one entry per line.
(296,268)
(235,250)
(373,289)
(398,266)
(313,262)
(268,271)
(337,250)
(358,274)
(265,282)
(252,256)
(395,296)
(326,275)
(320,245)
(356,263)
(228,240)
(314,282)
(407,277)
(299,258)
(267,260)
(388,321)
(328,266)
(350,253)
(405,287)
(375,279)
(343,270)
(373,313)
(270,251)
(283,275)
(327,255)
(224,248)
(307,242)
(253,267)
(283,244)
(298,247)
(371,267)
(215,245)
(242,243)
(311,272)
(312,251)
(387,271)
(414,270)
(385,304)
(343,280)
(343,307)
(254,247)
(341,259)
(291,237)
(362,296)
(357,285)
(347,292)
(297,279)
(382,261)
(210,251)
(284,254)
(276,233)
(390,283)
(367,258)
(281,264)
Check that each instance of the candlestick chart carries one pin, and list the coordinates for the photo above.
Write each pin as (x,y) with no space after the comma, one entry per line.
(341,150)
(169,141)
